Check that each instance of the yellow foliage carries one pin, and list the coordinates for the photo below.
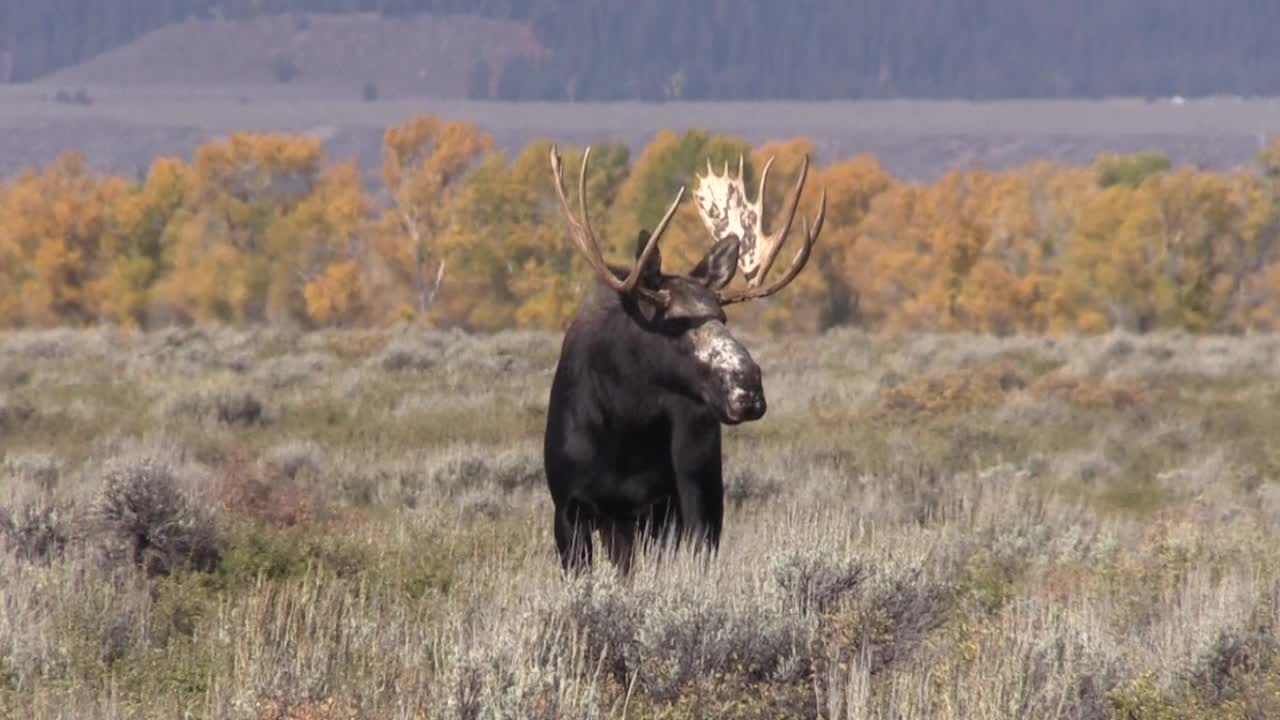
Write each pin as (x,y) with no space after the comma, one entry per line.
(262,228)
(423,162)
(251,168)
(58,230)
(334,297)
(669,162)
(211,280)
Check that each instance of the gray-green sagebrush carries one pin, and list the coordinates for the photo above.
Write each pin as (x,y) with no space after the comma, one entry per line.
(928,527)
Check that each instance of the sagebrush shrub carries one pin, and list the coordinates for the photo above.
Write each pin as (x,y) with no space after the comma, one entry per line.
(887,622)
(813,582)
(14,411)
(745,484)
(1234,654)
(238,409)
(222,404)
(295,457)
(478,467)
(39,470)
(35,531)
(147,518)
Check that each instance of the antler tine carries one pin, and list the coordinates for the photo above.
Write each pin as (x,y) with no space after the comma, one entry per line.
(585,218)
(774,240)
(764,178)
(634,276)
(581,235)
(584,237)
(797,264)
(727,212)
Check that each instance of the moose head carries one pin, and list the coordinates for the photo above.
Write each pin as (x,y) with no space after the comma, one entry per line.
(684,313)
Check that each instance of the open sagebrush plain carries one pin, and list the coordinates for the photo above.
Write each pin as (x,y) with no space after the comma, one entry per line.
(267,525)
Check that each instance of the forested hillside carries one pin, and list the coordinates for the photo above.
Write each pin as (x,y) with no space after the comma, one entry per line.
(611,49)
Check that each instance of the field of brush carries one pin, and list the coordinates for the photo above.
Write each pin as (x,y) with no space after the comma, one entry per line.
(268,525)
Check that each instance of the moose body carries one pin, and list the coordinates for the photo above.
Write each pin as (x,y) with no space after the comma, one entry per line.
(648,374)
(631,442)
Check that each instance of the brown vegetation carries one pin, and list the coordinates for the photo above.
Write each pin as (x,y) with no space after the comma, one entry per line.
(926,526)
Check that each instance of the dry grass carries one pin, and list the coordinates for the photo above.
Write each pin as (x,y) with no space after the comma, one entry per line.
(273,525)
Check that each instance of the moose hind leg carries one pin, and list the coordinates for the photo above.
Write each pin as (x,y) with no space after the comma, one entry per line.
(573,537)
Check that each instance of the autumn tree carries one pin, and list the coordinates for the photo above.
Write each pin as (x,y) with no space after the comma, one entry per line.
(1105,282)
(424,160)
(824,294)
(1129,170)
(487,211)
(228,264)
(915,251)
(327,250)
(507,246)
(1011,283)
(552,273)
(56,239)
(262,228)
(1257,304)
(137,250)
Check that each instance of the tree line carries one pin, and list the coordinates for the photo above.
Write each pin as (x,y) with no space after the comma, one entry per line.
(264,229)
(756,49)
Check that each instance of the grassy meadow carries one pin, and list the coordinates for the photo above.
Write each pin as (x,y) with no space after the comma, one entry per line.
(354,524)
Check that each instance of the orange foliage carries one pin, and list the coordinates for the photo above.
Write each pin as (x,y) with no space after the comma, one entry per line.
(263,228)
(335,295)
(424,160)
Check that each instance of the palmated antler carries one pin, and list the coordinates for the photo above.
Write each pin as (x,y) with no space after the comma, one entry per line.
(585,239)
(726,211)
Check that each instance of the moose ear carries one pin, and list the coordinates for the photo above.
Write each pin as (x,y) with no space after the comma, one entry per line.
(652,271)
(718,267)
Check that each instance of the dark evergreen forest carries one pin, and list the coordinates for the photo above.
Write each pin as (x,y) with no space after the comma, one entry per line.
(760,49)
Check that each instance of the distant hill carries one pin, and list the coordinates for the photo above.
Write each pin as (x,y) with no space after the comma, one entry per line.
(719,49)
(448,57)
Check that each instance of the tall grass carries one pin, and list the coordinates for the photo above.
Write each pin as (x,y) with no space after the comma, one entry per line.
(332,525)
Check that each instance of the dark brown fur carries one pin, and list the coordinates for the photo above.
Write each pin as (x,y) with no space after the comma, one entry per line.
(633,431)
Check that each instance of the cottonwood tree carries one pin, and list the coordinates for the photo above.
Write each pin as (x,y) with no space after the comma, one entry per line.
(137,250)
(510,260)
(230,260)
(57,225)
(423,161)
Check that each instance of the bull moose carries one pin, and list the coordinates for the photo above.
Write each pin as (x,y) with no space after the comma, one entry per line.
(649,371)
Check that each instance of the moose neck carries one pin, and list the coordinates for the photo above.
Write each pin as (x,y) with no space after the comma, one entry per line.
(626,344)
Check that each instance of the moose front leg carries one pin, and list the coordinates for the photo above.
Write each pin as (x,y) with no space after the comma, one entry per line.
(699,485)
(573,537)
(618,538)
